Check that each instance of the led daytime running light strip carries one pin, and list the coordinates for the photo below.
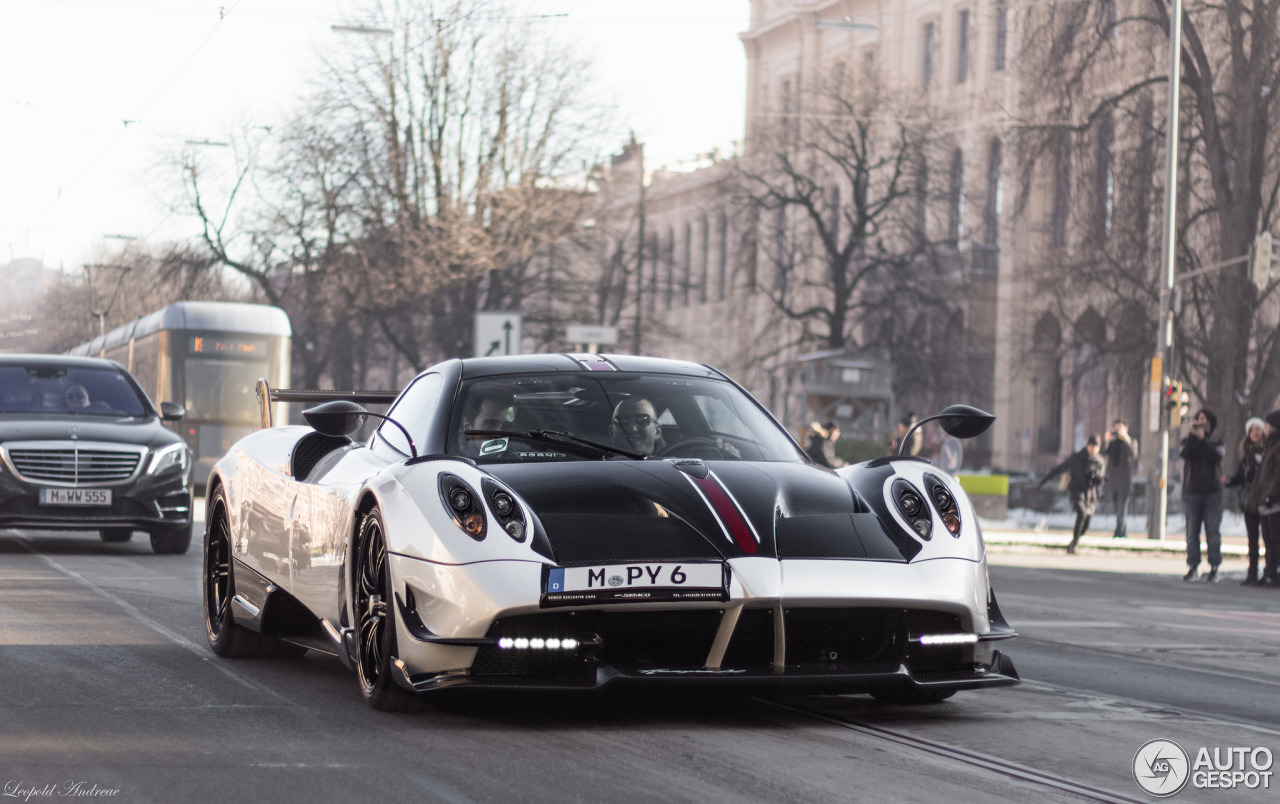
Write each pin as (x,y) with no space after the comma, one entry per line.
(537,643)
(947,639)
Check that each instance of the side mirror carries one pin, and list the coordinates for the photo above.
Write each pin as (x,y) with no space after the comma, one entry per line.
(172,411)
(957,421)
(963,421)
(337,418)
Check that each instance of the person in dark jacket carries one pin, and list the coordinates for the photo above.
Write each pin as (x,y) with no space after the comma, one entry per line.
(1121,454)
(1252,446)
(1087,473)
(1202,453)
(1267,493)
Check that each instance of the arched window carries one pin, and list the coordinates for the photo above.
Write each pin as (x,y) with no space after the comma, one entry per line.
(669,257)
(686,264)
(1090,377)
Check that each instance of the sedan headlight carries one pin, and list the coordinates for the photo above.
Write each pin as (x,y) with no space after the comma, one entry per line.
(170,457)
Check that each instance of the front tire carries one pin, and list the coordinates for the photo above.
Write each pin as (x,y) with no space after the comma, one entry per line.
(375,616)
(172,541)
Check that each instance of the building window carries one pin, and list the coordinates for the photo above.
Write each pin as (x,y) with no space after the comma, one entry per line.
(1001,35)
(669,257)
(1106,177)
(962,47)
(922,201)
(723,254)
(995,196)
(955,199)
(655,259)
(1061,192)
(926,65)
(704,257)
(686,260)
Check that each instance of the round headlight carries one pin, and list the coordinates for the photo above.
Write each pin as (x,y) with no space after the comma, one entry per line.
(503,504)
(911,503)
(473,524)
(516,528)
(941,499)
(460,499)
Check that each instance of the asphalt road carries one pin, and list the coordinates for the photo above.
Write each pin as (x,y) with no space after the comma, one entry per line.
(106,683)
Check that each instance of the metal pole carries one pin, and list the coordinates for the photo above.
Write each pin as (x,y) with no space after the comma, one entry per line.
(1164,346)
(639,257)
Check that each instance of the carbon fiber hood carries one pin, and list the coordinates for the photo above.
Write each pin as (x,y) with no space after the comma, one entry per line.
(596,512)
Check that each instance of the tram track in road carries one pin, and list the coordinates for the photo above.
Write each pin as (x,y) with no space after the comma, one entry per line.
(962,756)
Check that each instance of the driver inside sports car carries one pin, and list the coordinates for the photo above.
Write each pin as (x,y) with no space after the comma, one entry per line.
(485,411)
(635,427)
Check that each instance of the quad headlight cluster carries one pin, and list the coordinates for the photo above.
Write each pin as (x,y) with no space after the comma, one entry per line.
(913,508)
(945,502)
(468,510)
(914,505)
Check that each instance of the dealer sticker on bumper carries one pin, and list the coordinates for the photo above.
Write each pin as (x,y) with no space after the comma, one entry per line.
(75,496)
(626,583)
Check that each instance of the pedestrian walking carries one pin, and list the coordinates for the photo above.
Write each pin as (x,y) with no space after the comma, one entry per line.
(915,445)
(1252,447)
(1086,473)
(1267,493)
(1202,453)
(1121,453)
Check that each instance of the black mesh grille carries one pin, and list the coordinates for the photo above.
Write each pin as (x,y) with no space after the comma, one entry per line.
(752,642)
(535,664)
(310,449)
(934,658)
(844,636)
(629,639)
(580,539)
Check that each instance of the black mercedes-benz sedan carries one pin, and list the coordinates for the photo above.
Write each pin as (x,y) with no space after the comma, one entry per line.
(83,448)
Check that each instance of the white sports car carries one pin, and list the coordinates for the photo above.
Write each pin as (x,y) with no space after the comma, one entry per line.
(571,521)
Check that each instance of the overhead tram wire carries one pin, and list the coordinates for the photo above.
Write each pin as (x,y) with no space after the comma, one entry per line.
(137,115)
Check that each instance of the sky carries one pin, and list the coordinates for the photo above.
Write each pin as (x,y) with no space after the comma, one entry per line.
(95,93)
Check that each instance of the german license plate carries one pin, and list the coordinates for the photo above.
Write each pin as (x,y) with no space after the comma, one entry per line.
(75,496)
(640,582)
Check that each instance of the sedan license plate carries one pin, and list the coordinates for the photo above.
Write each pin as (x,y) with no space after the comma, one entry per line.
(640,582)
(75,496)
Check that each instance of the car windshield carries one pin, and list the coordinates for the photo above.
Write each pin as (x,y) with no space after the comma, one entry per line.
(623,416)
(64,390)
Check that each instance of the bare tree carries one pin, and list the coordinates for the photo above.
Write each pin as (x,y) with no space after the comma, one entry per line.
(126,286)
(1095,132)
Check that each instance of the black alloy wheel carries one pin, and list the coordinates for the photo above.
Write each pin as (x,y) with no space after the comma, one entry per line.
(375,620)
(226,638)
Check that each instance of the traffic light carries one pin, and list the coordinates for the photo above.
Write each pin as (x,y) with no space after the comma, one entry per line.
(1260,263)
(1175,401)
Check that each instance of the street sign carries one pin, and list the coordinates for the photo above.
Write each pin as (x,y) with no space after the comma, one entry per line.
(600,336)
(497,334)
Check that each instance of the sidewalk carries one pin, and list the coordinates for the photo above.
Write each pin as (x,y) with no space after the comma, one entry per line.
(1098,551)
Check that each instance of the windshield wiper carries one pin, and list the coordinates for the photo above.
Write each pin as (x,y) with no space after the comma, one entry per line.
(562,439)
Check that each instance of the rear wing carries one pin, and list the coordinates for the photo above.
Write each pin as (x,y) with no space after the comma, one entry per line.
(267,395)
